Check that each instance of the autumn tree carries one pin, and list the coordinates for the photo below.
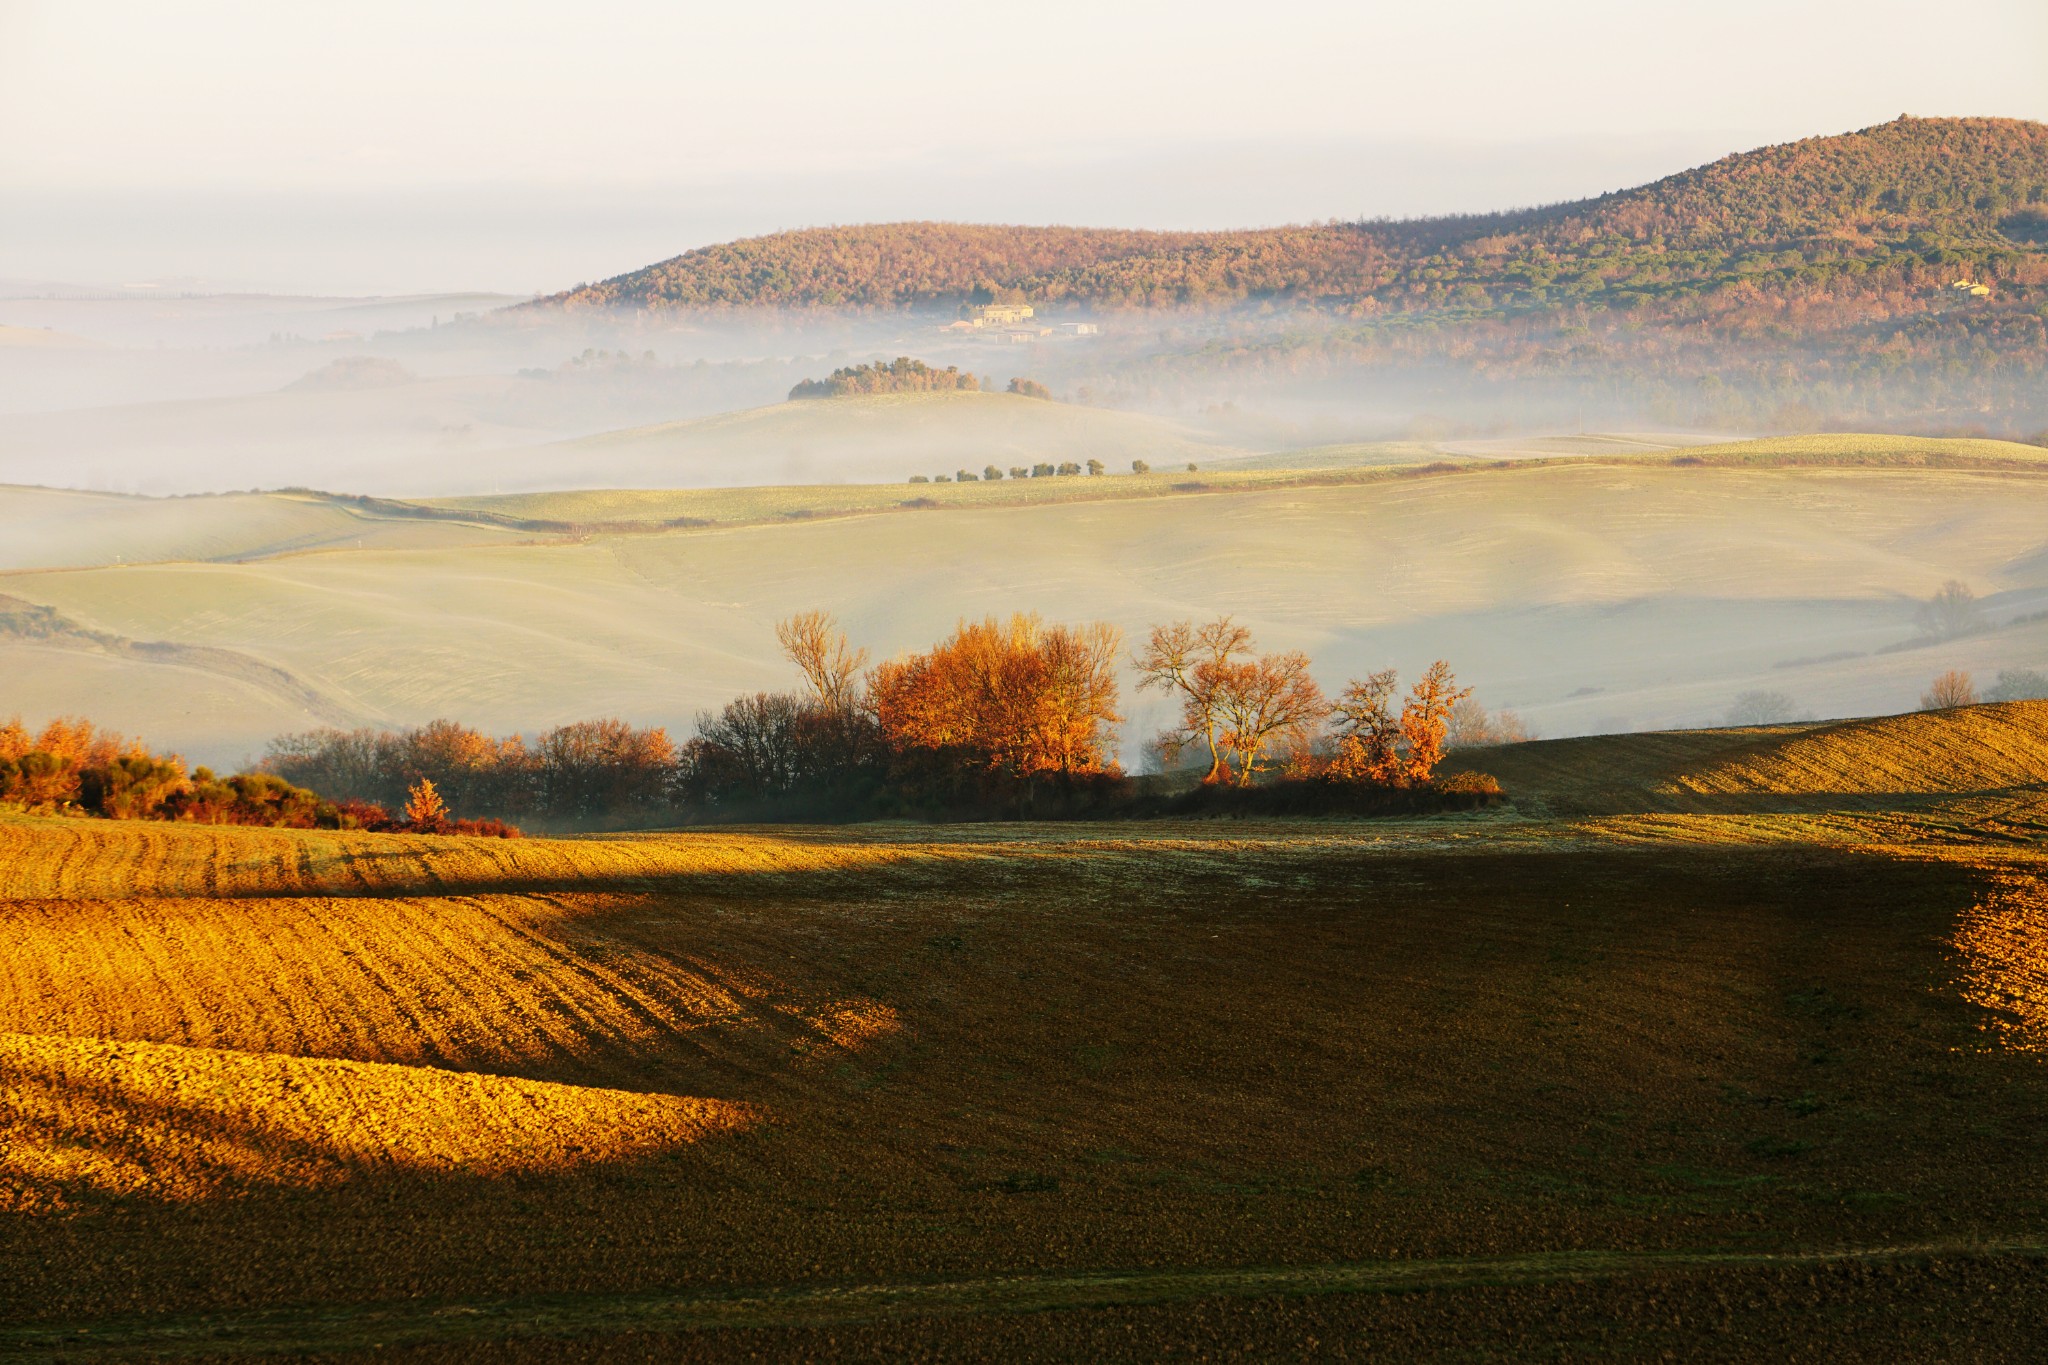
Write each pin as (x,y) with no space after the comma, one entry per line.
(1019,698)
(425,811)
(1262,702)
(1183,660)
(1425,719)
(1368,731)
(1953,688)
(818,647)
(1376,745)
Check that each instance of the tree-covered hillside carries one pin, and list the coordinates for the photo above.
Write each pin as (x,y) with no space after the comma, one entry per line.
(1848,214)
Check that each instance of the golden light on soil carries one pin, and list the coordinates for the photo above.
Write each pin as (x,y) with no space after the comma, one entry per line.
(84,1118)
(2004,947)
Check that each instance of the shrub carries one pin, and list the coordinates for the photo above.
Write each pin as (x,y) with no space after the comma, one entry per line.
(1469,784)
(132,787)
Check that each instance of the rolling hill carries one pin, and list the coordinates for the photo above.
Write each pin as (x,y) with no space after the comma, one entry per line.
(1804,286)
(1598,595)
(1815,212)
(1032,1092)
(1873,763)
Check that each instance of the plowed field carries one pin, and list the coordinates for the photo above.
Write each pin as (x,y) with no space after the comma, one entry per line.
(1745,1079)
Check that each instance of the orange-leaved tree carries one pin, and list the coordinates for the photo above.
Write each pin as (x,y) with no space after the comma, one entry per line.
(1368,732)
(1260,702)
(1189,661)
(425,811)
(1426,719)
(1019,698)
(1376,745)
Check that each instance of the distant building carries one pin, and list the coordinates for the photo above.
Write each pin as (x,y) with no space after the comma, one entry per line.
(1001,315)
(1079,329)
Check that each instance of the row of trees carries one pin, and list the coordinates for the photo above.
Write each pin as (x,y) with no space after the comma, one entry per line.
(1023,715)
(1043,470)
(1001,716)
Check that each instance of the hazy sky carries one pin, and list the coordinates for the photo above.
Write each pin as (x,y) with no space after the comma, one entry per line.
(376,145)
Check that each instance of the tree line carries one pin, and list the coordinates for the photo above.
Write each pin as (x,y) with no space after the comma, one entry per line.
(1002,717)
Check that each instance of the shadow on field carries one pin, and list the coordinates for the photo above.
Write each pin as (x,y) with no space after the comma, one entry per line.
(1156,1055)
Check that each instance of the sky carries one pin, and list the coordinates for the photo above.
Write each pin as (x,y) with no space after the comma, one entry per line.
(383,147)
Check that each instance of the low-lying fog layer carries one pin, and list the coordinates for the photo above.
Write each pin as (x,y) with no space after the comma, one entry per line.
(449,394)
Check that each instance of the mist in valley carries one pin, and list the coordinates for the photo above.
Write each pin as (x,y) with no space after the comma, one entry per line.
(128,393)
(366,283)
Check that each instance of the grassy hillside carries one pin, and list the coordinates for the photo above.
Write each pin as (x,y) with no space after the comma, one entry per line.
(1890,760)
(54,528)
(1593,596)
(1029,1092)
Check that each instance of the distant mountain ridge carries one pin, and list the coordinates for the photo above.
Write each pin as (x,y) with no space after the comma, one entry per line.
(1839,213)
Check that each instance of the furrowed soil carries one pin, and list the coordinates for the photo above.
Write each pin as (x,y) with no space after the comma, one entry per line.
(1761,1077)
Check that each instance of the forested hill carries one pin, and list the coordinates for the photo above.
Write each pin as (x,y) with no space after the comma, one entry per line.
(1856,213)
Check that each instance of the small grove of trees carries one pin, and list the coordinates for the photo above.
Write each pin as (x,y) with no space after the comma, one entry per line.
(1249,714)
(901,375)
(1474,727)
(1030,388)
(999,716)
